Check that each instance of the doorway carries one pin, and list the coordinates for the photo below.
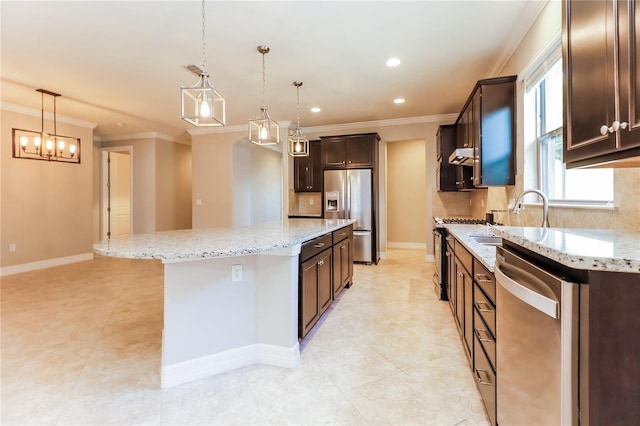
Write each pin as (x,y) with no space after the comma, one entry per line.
(116,191)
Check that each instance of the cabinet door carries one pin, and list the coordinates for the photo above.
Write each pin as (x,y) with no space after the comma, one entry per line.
(334,153)
(589,72)
(459,296)
(309,312)
(360,151)
(468,314)
(307,171)
(325,280)
(629,60)
(446,173)
(451,276)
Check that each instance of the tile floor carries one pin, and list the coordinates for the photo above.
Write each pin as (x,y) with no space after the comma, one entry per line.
(81,346)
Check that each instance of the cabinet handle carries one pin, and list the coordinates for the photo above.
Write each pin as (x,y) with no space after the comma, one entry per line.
(615,126)
(318,245)
(485,279)
(480,303)
(342,234)
(449,238)
(483,382)
(487,337)
(321,262)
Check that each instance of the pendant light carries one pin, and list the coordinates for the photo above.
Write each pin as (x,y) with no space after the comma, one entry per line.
(298,144)
(201,104)
(263,130)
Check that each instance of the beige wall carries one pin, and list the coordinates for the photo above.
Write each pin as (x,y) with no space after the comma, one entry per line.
(173,186)
(406,193)
(235,183)
(47,207)
(161,180)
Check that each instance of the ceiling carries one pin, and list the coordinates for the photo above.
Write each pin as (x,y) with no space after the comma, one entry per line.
(123,61)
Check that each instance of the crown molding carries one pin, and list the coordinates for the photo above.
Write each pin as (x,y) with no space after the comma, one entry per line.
(229,129)
(143,135)
(47,115)
(384,123)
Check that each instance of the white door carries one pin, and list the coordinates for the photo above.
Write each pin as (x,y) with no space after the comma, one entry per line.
(116,193)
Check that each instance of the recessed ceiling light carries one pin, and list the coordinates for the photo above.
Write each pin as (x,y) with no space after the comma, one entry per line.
(315,109)
(398,101)
(393,62)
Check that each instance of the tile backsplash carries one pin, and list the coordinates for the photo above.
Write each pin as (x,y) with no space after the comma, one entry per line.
(624,216)
(305,203)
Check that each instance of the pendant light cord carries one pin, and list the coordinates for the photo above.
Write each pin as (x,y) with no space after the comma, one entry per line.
(298,84)
(264,83)
(204,68)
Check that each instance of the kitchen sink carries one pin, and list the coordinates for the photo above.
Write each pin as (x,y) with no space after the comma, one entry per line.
(487,239)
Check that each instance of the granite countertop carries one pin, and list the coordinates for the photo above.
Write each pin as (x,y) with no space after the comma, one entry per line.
(587,249)
(484,253)
(190,244)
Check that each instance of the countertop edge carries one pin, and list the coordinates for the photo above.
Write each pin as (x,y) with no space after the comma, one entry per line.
(483,253)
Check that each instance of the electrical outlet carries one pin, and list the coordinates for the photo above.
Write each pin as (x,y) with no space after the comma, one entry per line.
(198,202)
(12,247)
(311,201)
(236,273)
(511,204)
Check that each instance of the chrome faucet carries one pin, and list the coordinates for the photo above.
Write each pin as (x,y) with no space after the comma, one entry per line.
(545,205)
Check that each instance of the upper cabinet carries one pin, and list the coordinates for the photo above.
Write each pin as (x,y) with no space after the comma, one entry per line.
(487,128)
(349,151)
(450,177)
(307,171)
(602,82)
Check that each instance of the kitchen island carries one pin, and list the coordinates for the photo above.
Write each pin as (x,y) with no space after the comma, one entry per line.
(230,294)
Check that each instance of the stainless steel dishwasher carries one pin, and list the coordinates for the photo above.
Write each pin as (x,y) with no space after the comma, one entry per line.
(537,343)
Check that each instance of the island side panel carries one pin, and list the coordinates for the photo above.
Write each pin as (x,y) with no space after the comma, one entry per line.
(213,325)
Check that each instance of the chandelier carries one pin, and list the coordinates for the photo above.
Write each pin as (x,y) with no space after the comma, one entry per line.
(298,144)
(32,145)
(263,130)
(201,104)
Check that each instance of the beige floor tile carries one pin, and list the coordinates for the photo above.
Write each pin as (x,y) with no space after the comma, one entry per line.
(81,345)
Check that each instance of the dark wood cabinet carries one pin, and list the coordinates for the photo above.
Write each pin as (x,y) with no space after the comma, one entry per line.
(487,124)
(314,282)
(451,274)
(342,259)
(350,151)
(602,82)
(450,177)
(307,171)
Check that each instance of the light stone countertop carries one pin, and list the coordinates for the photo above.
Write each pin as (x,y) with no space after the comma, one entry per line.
(191,244)
(585,249)
(484,253)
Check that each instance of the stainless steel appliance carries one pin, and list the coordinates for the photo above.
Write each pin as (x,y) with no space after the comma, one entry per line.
(537,343)
(348,194)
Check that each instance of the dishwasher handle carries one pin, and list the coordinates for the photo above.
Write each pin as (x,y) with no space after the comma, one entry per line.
(524,291)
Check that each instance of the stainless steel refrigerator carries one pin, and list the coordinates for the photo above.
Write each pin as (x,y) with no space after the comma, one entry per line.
(348,194)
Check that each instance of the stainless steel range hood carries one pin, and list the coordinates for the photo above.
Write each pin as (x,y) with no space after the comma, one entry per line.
(462,157)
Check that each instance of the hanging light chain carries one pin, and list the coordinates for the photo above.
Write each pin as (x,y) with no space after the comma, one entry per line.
(203,41)
(264,83)
(298,84)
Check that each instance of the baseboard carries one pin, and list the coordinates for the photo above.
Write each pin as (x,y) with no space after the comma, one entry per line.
(42,264)
(419,246)
(210,365)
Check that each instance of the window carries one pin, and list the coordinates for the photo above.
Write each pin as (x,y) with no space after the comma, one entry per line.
(544,168)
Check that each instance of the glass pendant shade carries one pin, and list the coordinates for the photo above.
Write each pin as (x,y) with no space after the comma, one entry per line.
(263,130)
(202,105)
(298,144)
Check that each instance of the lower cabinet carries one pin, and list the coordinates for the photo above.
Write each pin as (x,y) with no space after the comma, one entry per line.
(474,311)
(325,268)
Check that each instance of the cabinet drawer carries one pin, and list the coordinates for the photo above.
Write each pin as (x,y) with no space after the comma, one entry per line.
(342,233)
(465,257)
(485,279)
(484,338)
(486,380)
(485,309)
(315,246)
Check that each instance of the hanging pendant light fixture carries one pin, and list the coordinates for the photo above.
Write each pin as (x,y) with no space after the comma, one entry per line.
(298,144)
(263,130)
(32,145)
(201,104)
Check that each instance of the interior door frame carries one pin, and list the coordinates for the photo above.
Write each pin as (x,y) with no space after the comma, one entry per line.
(103,187)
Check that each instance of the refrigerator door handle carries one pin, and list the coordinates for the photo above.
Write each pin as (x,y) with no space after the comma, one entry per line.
(348,197)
